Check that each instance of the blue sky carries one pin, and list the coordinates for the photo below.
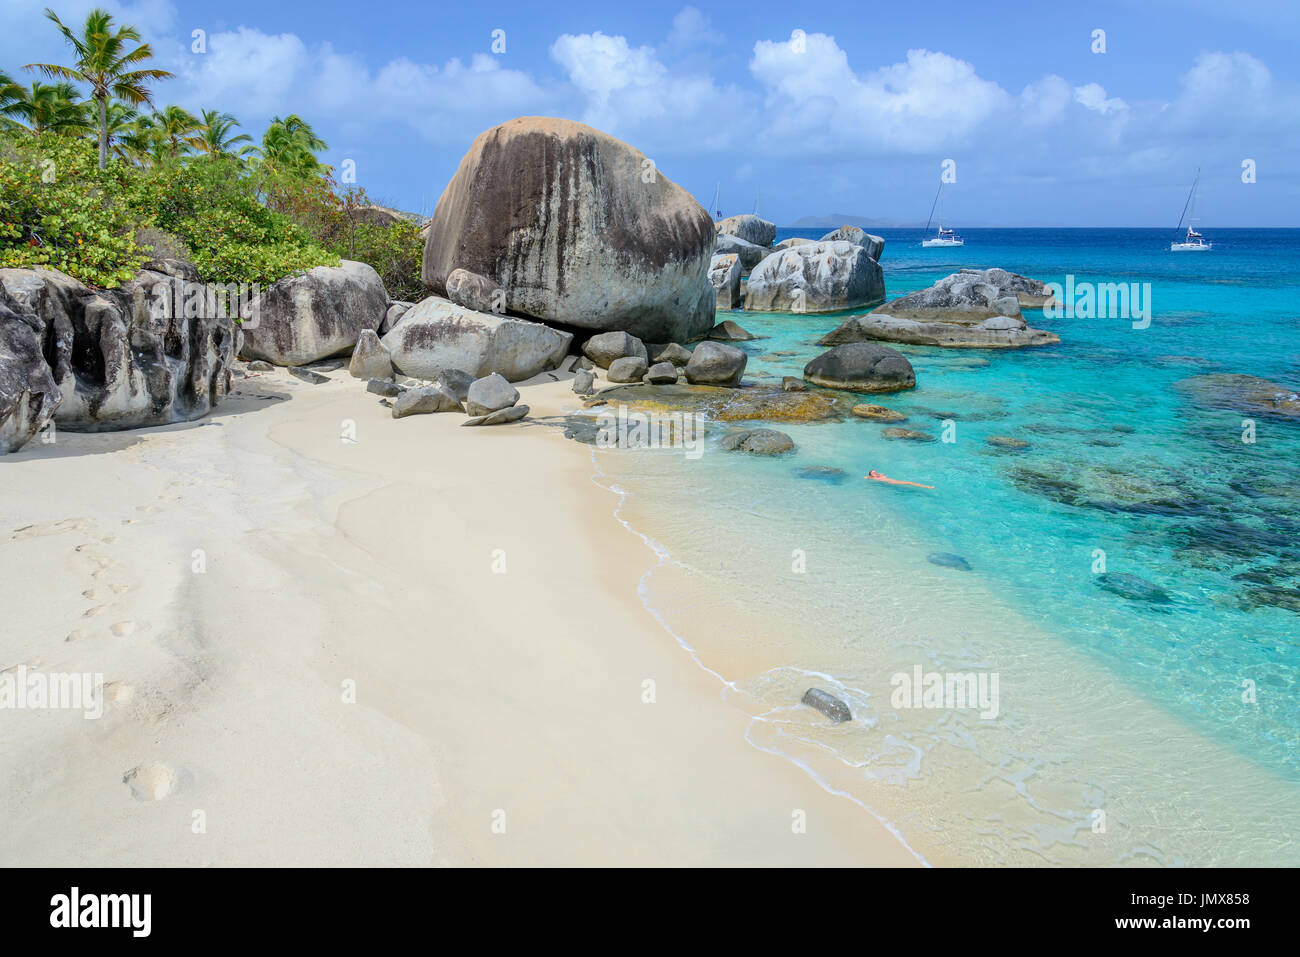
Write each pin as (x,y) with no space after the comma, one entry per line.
(854,115)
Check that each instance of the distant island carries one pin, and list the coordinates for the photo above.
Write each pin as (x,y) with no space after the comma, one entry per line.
(842,219)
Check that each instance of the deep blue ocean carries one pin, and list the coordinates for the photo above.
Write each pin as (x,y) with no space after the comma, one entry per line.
(1135,531)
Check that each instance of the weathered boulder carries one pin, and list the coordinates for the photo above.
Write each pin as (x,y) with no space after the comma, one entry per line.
(438,335)
(425,399)
(1029,293)
(758,442)
(862,367)
(316,315)
(995,332)
(490,394)
(473,291)
(816,277)
(724,274)
(792,241)
(874,245)
(370,360)
(121,359)
(395,312)
(676,354)
(605,348)
(563,219)
(661,373)
(750,255)
(827,704)
(584,382)
(626,369)
(728,331)
(375,216)
(712,363)
(749,228)
(28,393)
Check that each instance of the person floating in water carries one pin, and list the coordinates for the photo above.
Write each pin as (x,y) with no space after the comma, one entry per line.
(876,476)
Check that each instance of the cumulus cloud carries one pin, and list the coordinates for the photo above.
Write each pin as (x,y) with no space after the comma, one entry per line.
(929,101)
(1092,96)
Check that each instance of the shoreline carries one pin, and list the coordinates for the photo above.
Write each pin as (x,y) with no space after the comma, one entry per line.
(224,687)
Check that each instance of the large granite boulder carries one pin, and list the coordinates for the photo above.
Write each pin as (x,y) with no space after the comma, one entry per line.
(874,245)
(577,228)
(28,393)
(436,335)
(750,254)
(862,367)
(749,228)
(314,316)
(122,359)
(816,277)
(712,363)
(995,332)
(724,274)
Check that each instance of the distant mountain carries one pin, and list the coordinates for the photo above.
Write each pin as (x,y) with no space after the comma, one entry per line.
(836,220)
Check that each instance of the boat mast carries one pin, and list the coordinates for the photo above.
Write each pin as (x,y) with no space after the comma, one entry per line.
(717,213)
(932,206)
(1187,205)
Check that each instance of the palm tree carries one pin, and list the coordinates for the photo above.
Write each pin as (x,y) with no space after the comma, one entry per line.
(213,139)
(290,145)
(175,126)
(102,62)
(52,107)
(9,93)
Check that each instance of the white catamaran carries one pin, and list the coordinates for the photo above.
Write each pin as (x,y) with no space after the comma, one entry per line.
(945,237)
(1193,241)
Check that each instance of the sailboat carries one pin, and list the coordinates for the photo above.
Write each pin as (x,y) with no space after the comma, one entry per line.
(1193,241)
(945,237)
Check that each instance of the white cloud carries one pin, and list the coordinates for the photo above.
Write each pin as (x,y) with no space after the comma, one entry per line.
(930,101)
(1092,96)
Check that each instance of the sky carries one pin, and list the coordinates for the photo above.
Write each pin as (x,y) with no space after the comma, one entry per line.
(806,110)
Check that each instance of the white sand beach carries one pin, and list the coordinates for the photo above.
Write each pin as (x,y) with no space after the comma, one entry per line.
(472,585)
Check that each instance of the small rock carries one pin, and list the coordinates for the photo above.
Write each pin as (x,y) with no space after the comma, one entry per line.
(490,394)
(584,382)
(791,383)
(605,348)
(306,375)
(712,363)
(424,400)
(878,413)
(1007,442)
(729,331)
(758,442)
(827,704)
(661,373)
(370,359)
(456,382)
(260,365)
(512,414)
(384,387)
(1133,588)
(676,354)
(911,434)
(823,473)
(627,369)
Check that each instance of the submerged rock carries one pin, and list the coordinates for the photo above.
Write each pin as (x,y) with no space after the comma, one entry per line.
(817,277)
(911,435)
(877,413)
(1007,442)
(1110,488)
(561,217)
(728,331)
(1246,394)
(752,402)
(862,367)
(948,560)
(758,442)
(823,473)
(791,383)
(1132,587)
(995,332)
(827,704)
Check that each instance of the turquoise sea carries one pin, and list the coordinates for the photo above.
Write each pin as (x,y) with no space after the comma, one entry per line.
(1134,572)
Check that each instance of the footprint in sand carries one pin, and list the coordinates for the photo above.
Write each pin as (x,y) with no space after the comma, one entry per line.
(118,589)
(118,693)
(151,782)
(122,628)
(75,635)
(146,508)
(99,575)
(92,612)
(41,529)
(92,593)
(109,539)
